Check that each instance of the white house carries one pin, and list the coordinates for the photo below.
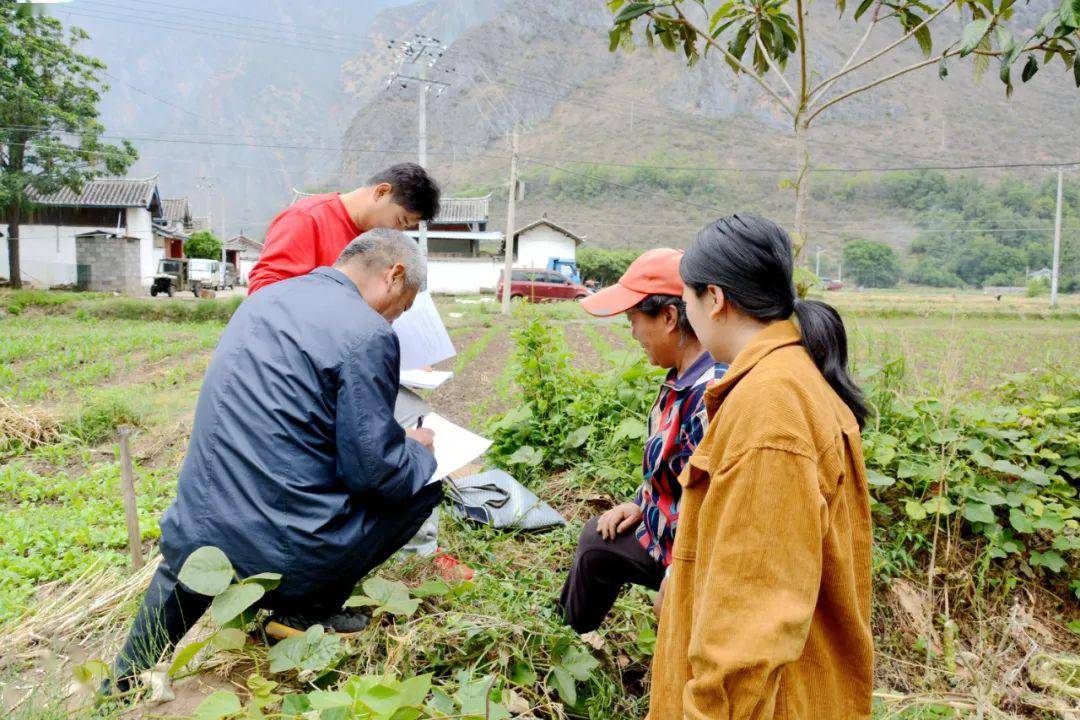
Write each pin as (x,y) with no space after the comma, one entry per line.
(243,252)
(538,242)
(118,206)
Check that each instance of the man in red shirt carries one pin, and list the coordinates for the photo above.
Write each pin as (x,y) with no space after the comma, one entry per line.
(312,232)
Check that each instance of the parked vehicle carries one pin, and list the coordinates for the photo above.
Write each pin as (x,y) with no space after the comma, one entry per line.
(232,277)
(542,286)
(830,284)
(569,268)
(206,272)
(173,277)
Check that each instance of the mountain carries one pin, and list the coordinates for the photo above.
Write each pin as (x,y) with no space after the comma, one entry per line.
(236,105)
(547,65)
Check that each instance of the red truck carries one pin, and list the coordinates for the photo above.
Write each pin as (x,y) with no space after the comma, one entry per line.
(542,286)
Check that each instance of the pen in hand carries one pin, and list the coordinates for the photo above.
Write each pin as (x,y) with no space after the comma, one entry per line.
(420,422)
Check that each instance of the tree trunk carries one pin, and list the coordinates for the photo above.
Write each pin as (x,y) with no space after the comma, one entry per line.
(14,270)
(802,188)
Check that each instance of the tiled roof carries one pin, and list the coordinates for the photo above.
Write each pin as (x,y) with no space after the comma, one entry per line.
(175,210)
(578,239)
(463,210)
(104,192)
(243,240)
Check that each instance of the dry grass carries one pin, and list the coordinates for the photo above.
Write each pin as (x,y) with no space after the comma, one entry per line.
(26,427)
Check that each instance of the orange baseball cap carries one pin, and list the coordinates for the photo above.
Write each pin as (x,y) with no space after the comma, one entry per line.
(655,272)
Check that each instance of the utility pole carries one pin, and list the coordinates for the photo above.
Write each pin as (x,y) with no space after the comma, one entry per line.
(1056,268)
(413,52)
(511,206)
(840,270)
(817,260)
(224,236)
(423,152)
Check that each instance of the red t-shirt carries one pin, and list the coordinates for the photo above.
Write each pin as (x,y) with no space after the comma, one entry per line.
(308,234)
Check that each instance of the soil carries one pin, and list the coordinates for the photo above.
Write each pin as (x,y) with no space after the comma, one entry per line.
(470,397)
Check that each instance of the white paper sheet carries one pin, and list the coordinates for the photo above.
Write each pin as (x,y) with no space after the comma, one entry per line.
(425,379)
(455,447)
(422,335)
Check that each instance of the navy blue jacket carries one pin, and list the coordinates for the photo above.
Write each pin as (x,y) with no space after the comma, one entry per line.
(294,452)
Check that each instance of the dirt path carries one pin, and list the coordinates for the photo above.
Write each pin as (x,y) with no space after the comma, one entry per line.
(470,397)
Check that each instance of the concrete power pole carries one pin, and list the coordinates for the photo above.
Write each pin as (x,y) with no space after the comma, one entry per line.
(1055,270)
(422,106)
(511,206)
(422,51)
(817,260)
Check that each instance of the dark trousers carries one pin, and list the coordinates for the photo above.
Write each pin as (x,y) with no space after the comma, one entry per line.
(601,568)
(169,610)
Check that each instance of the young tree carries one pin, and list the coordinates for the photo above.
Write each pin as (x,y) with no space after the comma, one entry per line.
(203,244)
(50,137)
(771,32)
(872,264)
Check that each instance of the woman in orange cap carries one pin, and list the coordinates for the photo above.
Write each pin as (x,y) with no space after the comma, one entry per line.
(631,543)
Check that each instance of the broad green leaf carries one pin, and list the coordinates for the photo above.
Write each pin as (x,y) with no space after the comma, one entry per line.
(878,480)
(578,437)
(863,7)
(268,580)
(229,639)
(979,512)
(235,600)
(526,455)
(564,685)
(389,596)
(521,673)
(185,656)
(944,435)
(579,662)
(915,510)
(973,34)
(207,571)
(1051,521)
(431,588)
(473,696)
(939,505)
(630,428)
(1035,475)
(414,690)
(221,704)
(1020,522)
(326,699)
(1074,626)
(1049,560)
(1007,468)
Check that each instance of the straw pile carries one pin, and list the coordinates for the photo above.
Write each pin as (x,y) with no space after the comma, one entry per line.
(25,427)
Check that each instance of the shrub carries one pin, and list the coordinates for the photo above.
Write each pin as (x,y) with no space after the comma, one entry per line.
(101,416)
(606,266)
(872,264)
(1038,286)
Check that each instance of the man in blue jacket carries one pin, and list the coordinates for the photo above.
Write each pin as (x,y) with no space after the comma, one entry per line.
(296,464)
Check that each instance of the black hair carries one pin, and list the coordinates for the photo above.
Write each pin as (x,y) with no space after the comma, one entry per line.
(749,258)
(653,305)
(411,187)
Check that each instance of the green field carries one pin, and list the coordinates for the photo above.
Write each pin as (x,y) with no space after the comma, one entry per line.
(84,366)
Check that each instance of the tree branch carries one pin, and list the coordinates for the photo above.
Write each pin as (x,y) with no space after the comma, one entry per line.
(820,89)
(772,65)
(930,18)
(734,60)
(803,99)
(916,66)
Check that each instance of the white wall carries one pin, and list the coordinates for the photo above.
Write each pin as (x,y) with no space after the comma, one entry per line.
(140,225)
(46,253)
(466,276)
(538,245)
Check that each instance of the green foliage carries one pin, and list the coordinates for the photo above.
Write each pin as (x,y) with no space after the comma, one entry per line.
(592,423)
(605,266)
(930,273)
(102,416)
(1003,476)
(872,264)
(203,244)
(50,94)
(1038,287)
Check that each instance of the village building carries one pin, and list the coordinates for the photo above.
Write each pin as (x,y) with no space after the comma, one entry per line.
(174,228)
(106,207)
(242,252)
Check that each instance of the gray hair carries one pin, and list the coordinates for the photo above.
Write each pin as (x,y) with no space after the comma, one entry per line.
(380,248)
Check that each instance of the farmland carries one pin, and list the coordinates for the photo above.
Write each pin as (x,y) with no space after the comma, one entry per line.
(958,380)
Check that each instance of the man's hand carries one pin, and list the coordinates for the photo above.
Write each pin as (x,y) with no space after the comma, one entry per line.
(424,436)
(618,520)
(659,601)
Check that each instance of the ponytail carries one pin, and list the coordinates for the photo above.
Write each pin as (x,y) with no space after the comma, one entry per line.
(750,258)
(825,339)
